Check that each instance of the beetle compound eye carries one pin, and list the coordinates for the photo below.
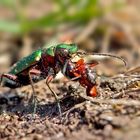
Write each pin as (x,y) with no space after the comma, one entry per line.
(66,52)
(63,53)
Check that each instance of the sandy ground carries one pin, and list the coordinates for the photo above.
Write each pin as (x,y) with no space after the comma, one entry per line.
(114,114)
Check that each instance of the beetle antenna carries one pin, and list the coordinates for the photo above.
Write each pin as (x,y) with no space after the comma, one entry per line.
(113,56)
(104,54)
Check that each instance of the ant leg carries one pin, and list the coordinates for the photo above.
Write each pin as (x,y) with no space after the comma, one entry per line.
(33,98)
(48,80)
(75,78)
(92,64)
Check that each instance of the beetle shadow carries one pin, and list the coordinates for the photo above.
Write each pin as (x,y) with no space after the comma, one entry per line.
(16,105)
(25,109)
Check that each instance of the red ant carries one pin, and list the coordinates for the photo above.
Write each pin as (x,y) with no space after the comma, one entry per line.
(82,72)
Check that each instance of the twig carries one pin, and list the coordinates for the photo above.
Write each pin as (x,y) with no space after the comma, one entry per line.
(112,101)
(133,70)
(136,76)
(87,31)
(106,40)
(71,109)
(126,29)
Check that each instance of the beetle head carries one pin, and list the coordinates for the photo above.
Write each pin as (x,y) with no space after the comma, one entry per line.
(65,50)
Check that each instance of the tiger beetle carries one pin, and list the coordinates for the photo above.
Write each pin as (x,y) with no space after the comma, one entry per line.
(42,64)
(45,63)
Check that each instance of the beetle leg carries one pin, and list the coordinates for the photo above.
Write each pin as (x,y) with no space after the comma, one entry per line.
(10,77)
(92,64)
(48,80)
(35,72)
(34,100)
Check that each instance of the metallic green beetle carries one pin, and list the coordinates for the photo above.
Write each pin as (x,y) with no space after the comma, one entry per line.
(43,63)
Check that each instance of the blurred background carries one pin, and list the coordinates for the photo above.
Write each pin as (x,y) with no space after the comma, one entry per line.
(105,26)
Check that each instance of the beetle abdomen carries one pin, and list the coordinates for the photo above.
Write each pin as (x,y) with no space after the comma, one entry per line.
(26,62)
